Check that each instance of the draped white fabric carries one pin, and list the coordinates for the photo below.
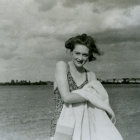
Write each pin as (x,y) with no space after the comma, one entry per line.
(89,120)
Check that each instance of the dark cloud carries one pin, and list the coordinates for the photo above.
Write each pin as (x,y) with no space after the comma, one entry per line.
(73,3)
(45,5)
(129,34)
(7,55)
(98,5)
(109,36)
(109,4)
(101,5)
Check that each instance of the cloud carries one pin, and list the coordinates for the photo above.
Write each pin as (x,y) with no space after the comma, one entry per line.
(45,5)
(119,60)
(73,3)
(33,33)
(128,34)
(8,49)
(61,23)
(6,55)
(102,5)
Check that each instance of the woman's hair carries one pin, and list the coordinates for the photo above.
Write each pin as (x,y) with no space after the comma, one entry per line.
(83,39)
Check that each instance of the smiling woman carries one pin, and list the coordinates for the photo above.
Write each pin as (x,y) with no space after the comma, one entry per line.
(80,55)
(83,40)
(74,76)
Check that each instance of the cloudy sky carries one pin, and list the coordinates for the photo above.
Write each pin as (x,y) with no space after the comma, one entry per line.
(33,32)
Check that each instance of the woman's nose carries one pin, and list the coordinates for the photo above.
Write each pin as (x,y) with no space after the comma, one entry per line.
(80,57)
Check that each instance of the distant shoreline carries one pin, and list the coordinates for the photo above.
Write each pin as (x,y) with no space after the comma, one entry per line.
(105,84)
(50,83)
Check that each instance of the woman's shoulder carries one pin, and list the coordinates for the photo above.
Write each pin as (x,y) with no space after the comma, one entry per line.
(61,69)
(61,64)
(91,75)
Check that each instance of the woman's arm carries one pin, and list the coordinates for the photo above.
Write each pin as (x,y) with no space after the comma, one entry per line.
(62,83)
(91,76)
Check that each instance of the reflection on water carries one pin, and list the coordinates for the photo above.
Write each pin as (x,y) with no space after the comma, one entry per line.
(25,111)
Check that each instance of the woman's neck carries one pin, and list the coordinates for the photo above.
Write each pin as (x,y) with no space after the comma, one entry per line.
(78,69)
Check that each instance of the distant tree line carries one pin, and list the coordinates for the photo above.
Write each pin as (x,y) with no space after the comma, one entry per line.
(121,81)
(24,82)
(108,81)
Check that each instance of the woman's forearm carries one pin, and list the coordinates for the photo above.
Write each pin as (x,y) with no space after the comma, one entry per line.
(74,98)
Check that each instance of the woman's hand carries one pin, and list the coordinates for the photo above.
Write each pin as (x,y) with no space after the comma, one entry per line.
(113,119)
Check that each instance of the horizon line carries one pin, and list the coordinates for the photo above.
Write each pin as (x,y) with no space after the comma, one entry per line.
(16,80)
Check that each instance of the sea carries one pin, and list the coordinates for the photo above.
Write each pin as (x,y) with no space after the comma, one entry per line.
(26,111)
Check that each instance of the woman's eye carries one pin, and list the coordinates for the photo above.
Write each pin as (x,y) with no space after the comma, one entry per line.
(77,53)
(85,55)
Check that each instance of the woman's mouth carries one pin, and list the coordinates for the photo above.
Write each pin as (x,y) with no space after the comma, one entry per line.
(79,62)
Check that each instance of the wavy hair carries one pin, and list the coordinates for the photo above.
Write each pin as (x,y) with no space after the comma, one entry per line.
(86,40)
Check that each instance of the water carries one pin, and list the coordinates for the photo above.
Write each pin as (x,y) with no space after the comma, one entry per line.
(125,101)
(26,111)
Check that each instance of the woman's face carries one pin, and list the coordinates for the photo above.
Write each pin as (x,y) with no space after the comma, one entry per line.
(80,55)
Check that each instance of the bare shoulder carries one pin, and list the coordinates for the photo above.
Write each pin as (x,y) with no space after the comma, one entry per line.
(91,75)
(61,69)
(61,64)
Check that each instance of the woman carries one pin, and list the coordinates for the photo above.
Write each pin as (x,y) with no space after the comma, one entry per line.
(72,75)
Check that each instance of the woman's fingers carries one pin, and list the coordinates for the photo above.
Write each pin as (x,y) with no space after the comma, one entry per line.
(113,119)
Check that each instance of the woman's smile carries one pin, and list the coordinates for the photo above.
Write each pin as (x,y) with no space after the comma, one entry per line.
(79,62)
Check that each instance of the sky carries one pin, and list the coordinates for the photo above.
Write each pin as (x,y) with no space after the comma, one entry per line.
(33,34)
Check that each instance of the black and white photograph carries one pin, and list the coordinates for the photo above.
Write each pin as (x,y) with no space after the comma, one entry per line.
(69,70)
